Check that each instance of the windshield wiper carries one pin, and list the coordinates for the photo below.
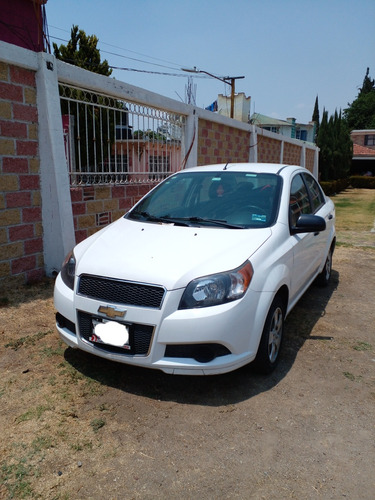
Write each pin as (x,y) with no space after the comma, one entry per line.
(165,219)
(216,222)
(184,221)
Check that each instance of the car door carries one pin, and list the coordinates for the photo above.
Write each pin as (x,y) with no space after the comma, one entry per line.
(307,247)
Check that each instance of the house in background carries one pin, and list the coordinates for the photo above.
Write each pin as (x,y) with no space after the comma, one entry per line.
(363,162)
(288,128)
(22,23)
(241,110)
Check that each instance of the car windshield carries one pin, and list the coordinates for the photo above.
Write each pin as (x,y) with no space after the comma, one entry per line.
(238,200)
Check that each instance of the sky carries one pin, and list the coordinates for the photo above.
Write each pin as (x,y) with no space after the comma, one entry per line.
(288,51)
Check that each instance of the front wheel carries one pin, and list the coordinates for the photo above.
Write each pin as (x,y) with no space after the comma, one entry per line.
(270,343)
(324,277)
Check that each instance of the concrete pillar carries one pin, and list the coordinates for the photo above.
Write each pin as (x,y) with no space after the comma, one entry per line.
(57,214)
(253,153)
(303,156)
(191,141)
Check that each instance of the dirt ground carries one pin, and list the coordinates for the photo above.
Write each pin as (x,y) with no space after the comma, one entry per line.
(78,427)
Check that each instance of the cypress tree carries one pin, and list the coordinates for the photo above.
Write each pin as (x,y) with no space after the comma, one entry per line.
(315,118)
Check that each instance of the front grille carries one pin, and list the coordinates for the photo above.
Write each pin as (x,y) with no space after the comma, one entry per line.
(121,292)
(140,336)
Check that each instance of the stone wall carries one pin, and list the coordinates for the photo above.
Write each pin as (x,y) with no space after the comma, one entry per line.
(97,206)
(21,243)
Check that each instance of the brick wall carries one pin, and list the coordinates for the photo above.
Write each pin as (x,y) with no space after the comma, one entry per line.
(268,149)
(310,157)
(21,243)
(292,154)
(219,143)
(97,206)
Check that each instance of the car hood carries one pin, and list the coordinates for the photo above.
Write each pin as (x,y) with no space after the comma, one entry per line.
(164,254)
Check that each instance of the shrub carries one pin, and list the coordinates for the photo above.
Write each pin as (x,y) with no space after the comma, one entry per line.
(360,181)
(333,187)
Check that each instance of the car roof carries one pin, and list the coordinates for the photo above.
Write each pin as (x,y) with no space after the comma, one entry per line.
(271,168)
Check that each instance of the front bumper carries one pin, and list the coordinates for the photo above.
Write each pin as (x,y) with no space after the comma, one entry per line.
(204,341)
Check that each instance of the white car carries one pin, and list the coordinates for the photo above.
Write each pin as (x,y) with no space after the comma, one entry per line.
(198,277)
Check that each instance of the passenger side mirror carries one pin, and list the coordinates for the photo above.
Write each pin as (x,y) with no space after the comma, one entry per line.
(308,223)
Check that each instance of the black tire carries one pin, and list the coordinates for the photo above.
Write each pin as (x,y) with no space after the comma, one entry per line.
(270,343)
(324,277)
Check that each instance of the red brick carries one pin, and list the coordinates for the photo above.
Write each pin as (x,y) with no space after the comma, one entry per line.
(23,264)
(33,246)
(23,232)
(33,214)
(23,76)
(79,208)
(124,205)
(13,129)
(131,191)
(11,92)
(25,113)
(27,148)
(19,199)
(81,235)
(15,165)
(29,182)
(118,191)
(76,194)
(144,189)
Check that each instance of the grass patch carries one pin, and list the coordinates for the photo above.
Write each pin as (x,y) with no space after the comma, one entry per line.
(29,340)
(97,424)
(33,413)
(352,377)
(15,479)
(362,346)
(355,210)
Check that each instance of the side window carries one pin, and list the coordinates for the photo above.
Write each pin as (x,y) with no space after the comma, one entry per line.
(299,202)
(317,198)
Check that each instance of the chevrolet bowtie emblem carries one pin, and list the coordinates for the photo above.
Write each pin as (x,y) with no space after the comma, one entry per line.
(111,312)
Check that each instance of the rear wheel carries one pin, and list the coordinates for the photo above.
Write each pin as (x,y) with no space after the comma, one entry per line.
(270,344)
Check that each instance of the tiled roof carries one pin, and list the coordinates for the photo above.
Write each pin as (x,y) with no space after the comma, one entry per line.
(362,151)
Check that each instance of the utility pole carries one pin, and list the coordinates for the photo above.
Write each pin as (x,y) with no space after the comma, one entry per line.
(229,80)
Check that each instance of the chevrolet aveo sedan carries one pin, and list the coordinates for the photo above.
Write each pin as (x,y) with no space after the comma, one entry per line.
(198,277)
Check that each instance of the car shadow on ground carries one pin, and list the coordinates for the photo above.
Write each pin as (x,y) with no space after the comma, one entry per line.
(215,390)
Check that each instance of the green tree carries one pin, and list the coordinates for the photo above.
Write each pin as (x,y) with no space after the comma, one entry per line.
(315,118)
(336,147)
(82,51)
(360,114)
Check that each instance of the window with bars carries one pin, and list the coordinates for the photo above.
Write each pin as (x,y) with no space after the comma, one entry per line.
(108,140)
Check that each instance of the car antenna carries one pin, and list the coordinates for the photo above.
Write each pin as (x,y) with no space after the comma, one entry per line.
(226,166)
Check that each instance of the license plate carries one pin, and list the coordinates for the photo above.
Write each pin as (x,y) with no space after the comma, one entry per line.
(111,333)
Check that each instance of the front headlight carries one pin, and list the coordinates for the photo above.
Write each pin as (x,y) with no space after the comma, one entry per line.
(68,270)
(217,288)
